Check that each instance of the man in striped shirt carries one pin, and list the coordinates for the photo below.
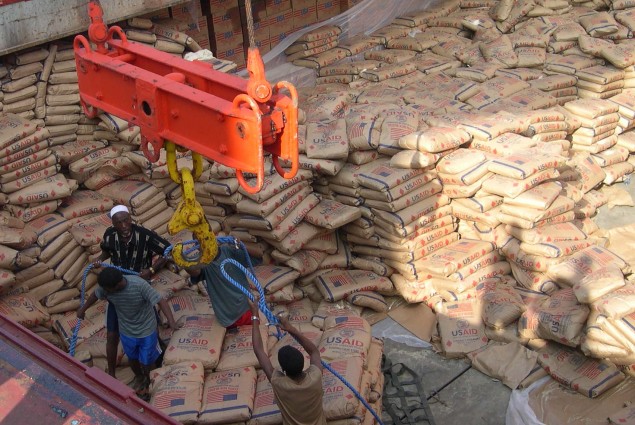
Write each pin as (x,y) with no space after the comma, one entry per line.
(134,299)
(131,247)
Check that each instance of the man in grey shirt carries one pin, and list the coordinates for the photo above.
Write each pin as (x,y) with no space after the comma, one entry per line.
(134,299)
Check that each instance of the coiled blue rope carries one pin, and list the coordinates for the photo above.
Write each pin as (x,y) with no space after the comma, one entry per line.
(262,304)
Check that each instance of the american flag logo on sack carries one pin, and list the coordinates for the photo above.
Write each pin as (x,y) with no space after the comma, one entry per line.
(179,303)
(339,281)
(169,399)
(265,273)
(265,399)
(397,132)
(220,397)
(357,130)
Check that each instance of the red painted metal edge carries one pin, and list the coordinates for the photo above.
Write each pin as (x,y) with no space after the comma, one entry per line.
(7,2)
(101,388)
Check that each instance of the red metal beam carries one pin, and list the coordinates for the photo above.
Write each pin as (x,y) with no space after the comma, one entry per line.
(39,384)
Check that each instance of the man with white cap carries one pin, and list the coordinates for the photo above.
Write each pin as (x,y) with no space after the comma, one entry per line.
(131,247)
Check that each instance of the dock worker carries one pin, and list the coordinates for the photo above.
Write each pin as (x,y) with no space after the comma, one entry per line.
(298,392)
(134,300)
(131,247)
(230,304)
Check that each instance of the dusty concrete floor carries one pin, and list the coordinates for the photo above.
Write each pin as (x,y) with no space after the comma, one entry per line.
(473,398)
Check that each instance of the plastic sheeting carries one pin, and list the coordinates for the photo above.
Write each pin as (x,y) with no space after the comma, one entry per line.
(518,410)
(366,17)
(389,329)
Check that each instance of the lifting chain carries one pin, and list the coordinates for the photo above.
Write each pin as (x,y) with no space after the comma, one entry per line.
(189,213)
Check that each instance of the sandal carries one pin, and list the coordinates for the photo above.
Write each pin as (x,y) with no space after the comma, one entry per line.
(137,383)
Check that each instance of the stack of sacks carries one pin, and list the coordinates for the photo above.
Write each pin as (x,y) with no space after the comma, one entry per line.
(196,387)
(278,283)
(324,252)
(629,77)
(60,252)
(19,83)
(276,213)
(19,251)
(601,116)
(593,279)
(455,271)
(164,36)
(600,82)
(62,113)
(317,48)
(551,127)
(219,196)
(344,72)
(144,200)
(94,348)
(117,131)
(313,43)
(560,86)
(161,38)
(404,203)
(626,110)
(28,167)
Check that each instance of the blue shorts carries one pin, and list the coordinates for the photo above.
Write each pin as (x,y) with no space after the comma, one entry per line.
(145,349)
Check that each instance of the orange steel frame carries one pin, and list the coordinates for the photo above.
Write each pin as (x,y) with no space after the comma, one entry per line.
(223,117)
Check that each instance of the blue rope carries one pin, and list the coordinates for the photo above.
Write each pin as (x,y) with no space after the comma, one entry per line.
(262,304)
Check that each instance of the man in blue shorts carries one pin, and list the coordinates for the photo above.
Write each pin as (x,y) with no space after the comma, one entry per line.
(134,299)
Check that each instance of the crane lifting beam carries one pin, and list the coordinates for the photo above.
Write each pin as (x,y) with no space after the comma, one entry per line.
(223,117)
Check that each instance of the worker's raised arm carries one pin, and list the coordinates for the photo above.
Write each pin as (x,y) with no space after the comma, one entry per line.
(309,347)
(256,340)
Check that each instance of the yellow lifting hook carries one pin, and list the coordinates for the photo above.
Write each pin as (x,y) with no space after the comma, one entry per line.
(189,214)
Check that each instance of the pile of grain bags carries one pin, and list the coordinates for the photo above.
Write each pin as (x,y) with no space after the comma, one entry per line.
(507,93)
(316,48)
(228,386)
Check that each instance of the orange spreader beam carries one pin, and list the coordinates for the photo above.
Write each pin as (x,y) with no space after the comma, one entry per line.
(223,117)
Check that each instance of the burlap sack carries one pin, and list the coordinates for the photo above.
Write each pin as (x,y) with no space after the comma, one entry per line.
(23,310)
(337,284)
(273,278)
(587,376)
(189,303)
(199,339)
(461,328)
(580,264)
(266,411)
(228,396)
(326,309)
(345,337)
(177,391)
(338,400)
(237,349)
